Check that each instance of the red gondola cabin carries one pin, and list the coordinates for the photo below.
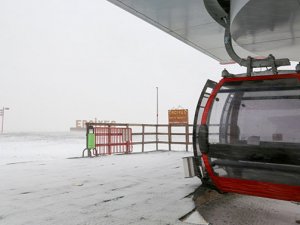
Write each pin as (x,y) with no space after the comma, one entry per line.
(247,135)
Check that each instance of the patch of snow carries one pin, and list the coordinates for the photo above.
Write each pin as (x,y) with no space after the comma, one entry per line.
(195,218)
(40,186)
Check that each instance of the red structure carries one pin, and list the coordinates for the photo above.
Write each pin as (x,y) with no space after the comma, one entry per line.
(245,136)
(112,140)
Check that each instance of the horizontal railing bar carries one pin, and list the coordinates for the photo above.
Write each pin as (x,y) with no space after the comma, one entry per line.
(175,142)
(137,124)
(137,134)
(149,133)
(112,144)
(181,134)
(160,142)
(146,142)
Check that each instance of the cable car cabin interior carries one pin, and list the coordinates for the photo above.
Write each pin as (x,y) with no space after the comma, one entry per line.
(250,135)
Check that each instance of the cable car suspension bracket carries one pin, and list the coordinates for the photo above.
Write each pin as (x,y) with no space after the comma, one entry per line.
(251,62)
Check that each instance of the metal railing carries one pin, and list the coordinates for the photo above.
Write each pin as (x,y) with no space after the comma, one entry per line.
(163,134)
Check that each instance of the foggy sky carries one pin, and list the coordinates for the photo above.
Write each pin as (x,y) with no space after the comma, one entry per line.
(64,60)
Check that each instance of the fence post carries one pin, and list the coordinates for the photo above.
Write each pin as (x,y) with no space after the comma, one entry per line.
(170,136)
(143,137)
(187,135)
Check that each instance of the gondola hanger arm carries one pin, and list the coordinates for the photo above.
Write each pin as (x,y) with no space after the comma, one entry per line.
(251,62)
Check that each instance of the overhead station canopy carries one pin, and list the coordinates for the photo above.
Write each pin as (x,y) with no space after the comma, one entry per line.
(263,27)
(187,20)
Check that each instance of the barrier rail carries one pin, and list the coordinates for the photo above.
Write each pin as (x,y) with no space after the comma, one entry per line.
(107,138)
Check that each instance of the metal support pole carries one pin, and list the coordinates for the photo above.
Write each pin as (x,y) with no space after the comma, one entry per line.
(2,114)
(187,131)
(156,131)
(2,120)
(156,118)
(157,105)
(250,62)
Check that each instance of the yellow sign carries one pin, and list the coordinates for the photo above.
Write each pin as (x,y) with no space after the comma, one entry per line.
(178,116)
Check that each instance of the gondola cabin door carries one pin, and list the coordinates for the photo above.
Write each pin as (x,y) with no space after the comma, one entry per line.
(247,136)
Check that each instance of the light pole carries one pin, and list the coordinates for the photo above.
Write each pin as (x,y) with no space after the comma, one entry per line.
(2,114)
(156,105)
(156,118)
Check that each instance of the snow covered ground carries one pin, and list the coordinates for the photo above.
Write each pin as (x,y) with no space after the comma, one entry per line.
(20,147)
(40,186)
(43,182)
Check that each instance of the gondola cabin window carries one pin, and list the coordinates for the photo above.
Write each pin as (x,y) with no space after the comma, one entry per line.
(254,127)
